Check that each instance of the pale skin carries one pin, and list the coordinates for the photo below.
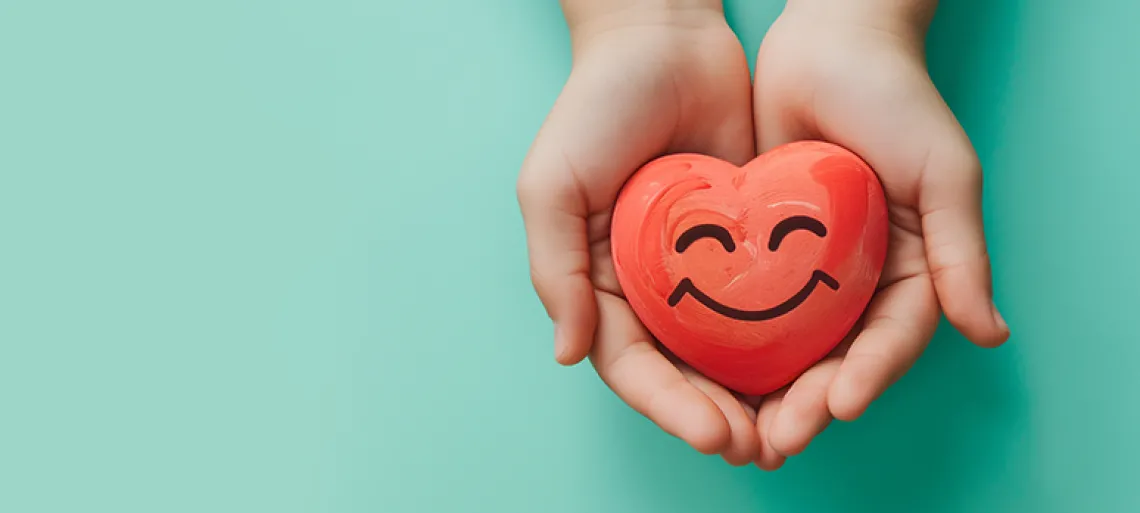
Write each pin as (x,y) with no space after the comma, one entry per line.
(652,77)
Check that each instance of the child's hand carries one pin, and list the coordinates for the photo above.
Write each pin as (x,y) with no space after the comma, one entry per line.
(649,78)
(853,73)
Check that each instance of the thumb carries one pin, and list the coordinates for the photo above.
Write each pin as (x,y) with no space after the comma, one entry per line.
(555,218)
(578,162)
(950,202)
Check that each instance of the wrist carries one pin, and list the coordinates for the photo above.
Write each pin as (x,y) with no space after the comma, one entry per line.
(908,19)
(589,18)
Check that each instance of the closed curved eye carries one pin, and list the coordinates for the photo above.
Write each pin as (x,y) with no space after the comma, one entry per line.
(703,231)
(791,224)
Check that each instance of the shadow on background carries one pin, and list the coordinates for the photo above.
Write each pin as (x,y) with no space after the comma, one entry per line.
(950,434)
(944,438)
(937,441)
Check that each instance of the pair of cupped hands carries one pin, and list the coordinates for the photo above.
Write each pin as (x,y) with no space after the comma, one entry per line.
(651,78)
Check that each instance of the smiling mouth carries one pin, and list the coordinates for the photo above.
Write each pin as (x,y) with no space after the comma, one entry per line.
(686,288)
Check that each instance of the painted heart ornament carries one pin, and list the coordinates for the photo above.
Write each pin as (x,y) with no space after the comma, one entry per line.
(751,274)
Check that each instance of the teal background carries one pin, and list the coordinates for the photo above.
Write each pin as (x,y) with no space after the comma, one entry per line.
(213,298)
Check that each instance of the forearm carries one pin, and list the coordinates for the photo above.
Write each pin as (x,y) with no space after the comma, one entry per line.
(901,16)
(585,16)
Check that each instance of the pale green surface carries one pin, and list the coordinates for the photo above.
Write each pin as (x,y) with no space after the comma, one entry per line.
(212,298)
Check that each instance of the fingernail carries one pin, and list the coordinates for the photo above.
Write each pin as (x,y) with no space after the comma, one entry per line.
(559,343)
(1000,320)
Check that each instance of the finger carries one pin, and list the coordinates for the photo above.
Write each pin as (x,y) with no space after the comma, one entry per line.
(898,326)
(554,216)
(804,413)
(603,274)
(636,371)
(555,206)
(720,127)
(574,169)
(769,458)
(777,118)
(752,402)
(951,206)
(776,125)
(744,443)
(731,138)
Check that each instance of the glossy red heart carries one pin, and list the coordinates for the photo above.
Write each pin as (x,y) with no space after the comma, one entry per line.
(751,275)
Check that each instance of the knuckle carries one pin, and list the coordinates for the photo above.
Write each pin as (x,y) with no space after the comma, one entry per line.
(542,288)
(528,187)
(956,310)
(955,165)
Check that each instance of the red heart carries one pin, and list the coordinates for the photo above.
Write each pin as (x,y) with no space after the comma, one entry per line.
(752,274)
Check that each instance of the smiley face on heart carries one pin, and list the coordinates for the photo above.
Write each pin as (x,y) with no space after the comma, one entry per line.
(751,275)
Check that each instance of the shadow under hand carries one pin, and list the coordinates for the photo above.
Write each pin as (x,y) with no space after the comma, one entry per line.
(647,470)
(937,440)
(970,52)
(946,437)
